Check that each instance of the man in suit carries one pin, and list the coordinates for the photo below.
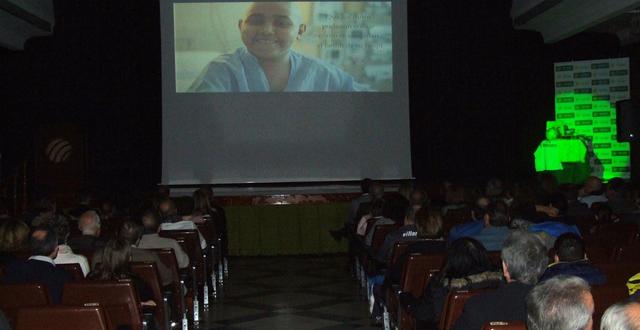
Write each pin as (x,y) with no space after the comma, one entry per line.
(89,225)
(524,259)
(40,268)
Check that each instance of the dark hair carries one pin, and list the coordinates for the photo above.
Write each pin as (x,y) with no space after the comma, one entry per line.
(62,230)
(43,241)
(569,247)
(465,256)
(377,207)
(201,203)
(365,185)
(429,223)
(116,255)
(498,214)
(130,231)
(154,224)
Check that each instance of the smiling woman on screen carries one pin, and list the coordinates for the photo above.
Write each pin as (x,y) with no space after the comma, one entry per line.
(267,63)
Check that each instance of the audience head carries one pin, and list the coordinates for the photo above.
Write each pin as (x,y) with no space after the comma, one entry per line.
(62,231)
(150,222)
(410,215)
(496,214)
(593,185)
(524,257)
(13,235)
(479,210)
(494,188)
(616,187)
(604,214)
(466,256)
(167,207)
(201,203)
(44,242)
(365,185)
(621,316)
(115,261)
(377,189)
(418,197)
(560,303)
(454,194)
(569,247)
(130,231)
(429,223)
(46,206)
(377,207)
(89,223)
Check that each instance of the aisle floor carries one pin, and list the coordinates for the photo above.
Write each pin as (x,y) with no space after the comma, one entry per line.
(288,293)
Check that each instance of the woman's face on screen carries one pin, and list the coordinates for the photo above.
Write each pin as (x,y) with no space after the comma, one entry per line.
(269,29)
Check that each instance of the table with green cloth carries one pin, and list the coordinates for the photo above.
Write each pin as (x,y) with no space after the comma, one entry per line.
(270,230)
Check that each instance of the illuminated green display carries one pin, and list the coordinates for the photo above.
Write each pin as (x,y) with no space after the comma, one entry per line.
(586,92)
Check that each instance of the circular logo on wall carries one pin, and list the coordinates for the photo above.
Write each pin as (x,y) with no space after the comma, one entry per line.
(58,150)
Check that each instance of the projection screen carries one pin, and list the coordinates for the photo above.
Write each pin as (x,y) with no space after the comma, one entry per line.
(272,92)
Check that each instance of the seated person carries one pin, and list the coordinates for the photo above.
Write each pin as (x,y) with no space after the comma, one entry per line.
(474,226)
(267,63)
(524,259)
(114,265)
(570,259)
(89,225)
(151,240)
(407,232)
(592,192)
(40,268)
(466,267)
(65,253)
(14,236)
(563,302)
(367,224)
(131,231)
(622,316)
(496,227)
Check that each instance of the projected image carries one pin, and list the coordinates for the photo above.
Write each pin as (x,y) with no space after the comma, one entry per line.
(283,47)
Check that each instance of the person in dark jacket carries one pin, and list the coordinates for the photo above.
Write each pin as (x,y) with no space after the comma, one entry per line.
(570,259)
(524,258)
(40,268)
(466,267)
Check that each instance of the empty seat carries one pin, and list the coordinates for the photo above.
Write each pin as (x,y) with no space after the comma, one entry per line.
(454,306)
(15,296)
(74,270)
(505,325)
(118,299)
(61,318)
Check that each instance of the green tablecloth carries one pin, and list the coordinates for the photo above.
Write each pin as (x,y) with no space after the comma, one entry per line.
(269,230)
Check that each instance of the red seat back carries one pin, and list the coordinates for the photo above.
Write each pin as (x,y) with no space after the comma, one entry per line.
(168,257)
(148,272)
(417,271)
(189,240)
(74,270)
(119,300)
(61,318)
(379,233)
(454,305)
(15,296)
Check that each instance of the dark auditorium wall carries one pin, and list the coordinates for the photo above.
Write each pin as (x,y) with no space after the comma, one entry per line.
(480,91)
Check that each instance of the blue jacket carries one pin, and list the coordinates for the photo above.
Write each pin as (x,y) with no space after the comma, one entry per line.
(579,268)
(467,229)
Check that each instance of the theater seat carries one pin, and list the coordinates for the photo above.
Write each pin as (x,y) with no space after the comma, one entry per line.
(504,325)
(168,257)
(454,305)
(118,299)
(74,270)
(15,296)
(148,272)
(61,318)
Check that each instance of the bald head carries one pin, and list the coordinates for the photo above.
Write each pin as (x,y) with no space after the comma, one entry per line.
(89,223)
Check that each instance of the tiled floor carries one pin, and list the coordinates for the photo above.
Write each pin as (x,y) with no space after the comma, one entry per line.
(288,293)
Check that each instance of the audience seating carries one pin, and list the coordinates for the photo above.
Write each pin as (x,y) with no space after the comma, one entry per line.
(87,254)
(455,217)
(189,240)
(74,270)
(148,272)
(416,274)
(505,325)
(119,300)
(168,257)
(61,318)
(15,296)
(454,306)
